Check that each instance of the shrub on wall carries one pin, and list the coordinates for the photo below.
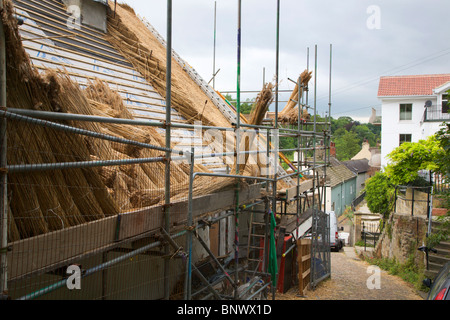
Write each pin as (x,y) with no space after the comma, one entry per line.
(379,194)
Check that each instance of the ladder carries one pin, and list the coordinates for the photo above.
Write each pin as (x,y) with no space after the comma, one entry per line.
(256,249)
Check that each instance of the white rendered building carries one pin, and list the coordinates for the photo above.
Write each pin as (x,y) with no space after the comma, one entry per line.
(413,108)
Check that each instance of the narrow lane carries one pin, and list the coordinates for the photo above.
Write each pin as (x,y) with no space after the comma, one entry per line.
(353,279)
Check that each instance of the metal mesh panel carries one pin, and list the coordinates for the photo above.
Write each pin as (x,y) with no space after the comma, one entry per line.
(81,228)
(320,248)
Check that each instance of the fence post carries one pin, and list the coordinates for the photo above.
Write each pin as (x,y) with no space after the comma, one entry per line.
(365,237)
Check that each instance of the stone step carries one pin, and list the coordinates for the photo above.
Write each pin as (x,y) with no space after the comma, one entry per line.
(444,247)
(438,259)
(433,266)
(431,274)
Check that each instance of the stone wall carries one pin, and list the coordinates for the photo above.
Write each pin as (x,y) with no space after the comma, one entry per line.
(405,205)
(401,237)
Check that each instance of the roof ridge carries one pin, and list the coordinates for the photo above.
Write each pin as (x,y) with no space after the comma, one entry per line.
(417,76)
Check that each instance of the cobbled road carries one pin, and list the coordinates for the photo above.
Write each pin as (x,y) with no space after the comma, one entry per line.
(349,281)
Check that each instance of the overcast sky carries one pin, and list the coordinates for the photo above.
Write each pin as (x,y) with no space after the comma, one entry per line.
(370,39)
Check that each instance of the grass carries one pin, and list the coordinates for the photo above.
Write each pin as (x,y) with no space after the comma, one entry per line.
(408,271)
(360,243)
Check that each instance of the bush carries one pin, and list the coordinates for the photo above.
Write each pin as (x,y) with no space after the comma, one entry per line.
(379,194)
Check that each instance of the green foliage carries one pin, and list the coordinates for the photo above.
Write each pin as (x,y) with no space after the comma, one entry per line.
(379,194)
(349,136)
(408,271)
(246,107)
(442,234)
(411,157)
(347,145)
(443,160)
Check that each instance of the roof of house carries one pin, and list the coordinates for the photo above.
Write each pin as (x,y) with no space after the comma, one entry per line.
(339,175)
(358,166)
(419,85)
(337,172)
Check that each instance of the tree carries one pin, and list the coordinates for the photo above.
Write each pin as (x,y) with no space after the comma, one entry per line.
(364,133)
(347,146)
(245,107)
(443,159)
(408,159)
(379,194)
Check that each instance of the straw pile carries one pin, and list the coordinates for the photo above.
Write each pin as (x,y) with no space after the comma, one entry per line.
(263,101)
(289,115)
(46,201)
(139,46)
(42,202)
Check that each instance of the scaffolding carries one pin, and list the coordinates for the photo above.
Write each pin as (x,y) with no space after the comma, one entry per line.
(255,221)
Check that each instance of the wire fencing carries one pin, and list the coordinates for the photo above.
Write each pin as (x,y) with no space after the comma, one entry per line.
(84,212)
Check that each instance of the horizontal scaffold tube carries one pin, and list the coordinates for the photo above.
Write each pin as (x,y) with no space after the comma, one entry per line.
(21,168)
(66,128)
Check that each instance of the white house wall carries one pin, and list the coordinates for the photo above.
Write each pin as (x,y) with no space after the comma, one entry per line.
(392,126)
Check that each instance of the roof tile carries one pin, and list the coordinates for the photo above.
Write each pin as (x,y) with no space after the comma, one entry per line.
(421,85)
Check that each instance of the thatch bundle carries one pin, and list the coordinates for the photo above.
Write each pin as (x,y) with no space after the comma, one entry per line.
(45,201)
(139,46)
(262,104)
(42,202)
(289,115)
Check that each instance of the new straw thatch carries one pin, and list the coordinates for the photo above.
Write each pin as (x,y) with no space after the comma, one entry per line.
(263,101)
(139,46)
(42,202)
(289,115)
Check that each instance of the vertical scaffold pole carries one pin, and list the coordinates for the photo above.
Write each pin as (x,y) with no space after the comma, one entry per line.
(3,164)
(238,141)
(214,51)
(274,184)
(168,142)
(314,130)
(188,278)
(277,63)
(327,135)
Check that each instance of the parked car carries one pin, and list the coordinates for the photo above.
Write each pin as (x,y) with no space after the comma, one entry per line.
(440,287)
(336,242)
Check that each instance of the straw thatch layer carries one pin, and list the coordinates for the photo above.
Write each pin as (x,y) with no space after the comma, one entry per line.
(42,202)
(290,113)
(262,104)
(139,46)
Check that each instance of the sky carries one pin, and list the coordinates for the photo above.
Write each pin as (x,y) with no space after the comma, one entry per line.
(369,39)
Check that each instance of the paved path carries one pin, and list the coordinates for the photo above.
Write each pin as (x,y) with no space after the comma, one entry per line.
(349,277)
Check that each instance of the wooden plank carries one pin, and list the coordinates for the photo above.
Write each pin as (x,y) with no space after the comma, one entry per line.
(306,273)
(306,258)
(37,254)
(291,193)
(110,54)
(304,268)
(33,254)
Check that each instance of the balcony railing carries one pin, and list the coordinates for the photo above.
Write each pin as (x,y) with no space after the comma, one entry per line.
(436,113)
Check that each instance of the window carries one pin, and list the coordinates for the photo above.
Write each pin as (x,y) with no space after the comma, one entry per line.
(445,103)
(406,112)
(405,138)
